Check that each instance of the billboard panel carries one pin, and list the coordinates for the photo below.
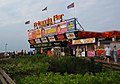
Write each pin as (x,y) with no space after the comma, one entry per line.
(29,35)
(33,34)
(50,30)
(62,27)
(71,24)
(38,33)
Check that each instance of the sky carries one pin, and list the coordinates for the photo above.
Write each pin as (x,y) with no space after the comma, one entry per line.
(93,15)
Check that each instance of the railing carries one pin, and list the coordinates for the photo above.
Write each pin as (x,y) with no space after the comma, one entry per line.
(106,65)
(5,79)
(111,66)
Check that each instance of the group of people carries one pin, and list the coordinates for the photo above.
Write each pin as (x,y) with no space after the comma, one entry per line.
(111,52)
(80,52)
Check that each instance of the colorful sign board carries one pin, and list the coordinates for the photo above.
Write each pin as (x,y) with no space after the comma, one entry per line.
(83,41)
(70,35)
(58,28)
(50,30)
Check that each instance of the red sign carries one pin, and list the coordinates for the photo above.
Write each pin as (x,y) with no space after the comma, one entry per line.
(91,53)
(61,37)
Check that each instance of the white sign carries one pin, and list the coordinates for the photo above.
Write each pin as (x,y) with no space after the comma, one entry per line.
(37,41)
(70,35)
(51,38)
(83,41)
(44,40)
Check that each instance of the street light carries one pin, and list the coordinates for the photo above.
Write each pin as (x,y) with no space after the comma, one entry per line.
(6,49)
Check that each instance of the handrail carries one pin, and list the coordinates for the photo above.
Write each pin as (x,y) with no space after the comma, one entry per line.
(5,79)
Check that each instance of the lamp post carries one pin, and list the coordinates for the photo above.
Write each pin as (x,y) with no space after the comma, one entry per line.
(6,49)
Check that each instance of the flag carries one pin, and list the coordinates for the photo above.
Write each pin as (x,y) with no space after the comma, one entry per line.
(44,8)
(70,6)
(27,22)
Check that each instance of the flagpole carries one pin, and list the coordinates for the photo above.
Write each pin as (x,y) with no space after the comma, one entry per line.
(74,10)
(47,13)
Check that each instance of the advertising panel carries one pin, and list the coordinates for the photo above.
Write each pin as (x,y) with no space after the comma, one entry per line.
(38,33)
(70,35)
(37,41)
(62,27)
(33,34)
(71,24)
(83,41)
(44,40)
(50,30)
(51,38)
(29,35)
(59,28)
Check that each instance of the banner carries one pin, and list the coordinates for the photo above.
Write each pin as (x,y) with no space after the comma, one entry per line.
(83,41)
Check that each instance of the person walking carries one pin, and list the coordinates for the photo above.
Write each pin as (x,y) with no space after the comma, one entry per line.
(108,51)
(115,54)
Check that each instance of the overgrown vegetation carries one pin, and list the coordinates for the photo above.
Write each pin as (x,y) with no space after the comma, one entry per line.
(40,69)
